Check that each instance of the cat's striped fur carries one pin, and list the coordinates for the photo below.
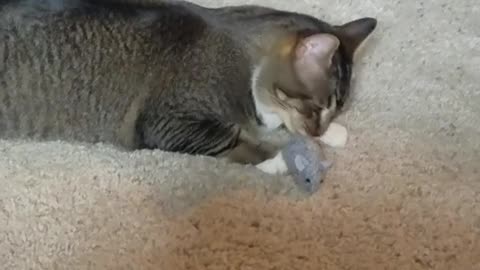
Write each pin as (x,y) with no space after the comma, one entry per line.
(172,76)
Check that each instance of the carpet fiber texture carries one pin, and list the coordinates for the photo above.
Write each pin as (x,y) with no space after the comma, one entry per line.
(403,194)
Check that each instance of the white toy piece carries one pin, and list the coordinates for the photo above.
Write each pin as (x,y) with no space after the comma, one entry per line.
(303,158)
(336,135)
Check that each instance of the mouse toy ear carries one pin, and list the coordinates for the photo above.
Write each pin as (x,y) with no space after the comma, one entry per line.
(326,164)
(354,33)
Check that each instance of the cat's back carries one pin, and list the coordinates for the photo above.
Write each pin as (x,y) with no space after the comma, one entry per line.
(82,69)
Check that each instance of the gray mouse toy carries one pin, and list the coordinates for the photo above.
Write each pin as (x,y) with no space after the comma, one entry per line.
(305,162)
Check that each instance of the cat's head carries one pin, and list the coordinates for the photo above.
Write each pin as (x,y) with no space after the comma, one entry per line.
(310,75)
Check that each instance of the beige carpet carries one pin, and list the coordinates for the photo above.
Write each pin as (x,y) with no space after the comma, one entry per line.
(404,193)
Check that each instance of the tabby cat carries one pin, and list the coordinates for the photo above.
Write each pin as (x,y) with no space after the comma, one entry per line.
(171,75)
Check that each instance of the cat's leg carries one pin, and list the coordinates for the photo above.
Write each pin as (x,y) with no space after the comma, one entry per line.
(250,150)
(212,138)
(196,137)
(265,156)
(204,137)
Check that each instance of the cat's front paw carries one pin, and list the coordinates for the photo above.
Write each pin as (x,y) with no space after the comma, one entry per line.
(335,136)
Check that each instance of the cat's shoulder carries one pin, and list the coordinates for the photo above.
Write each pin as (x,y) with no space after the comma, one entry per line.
(21,13)
(41,7)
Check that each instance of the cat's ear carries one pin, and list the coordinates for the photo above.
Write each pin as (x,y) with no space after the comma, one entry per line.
(313,57)
(354,33)
(318,48)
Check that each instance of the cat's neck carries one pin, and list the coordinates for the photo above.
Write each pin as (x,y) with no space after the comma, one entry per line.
(269,120)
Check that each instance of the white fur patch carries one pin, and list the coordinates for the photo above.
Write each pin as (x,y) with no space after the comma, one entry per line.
(276,165)
(271,119)
(335,136)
